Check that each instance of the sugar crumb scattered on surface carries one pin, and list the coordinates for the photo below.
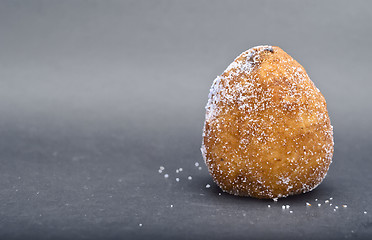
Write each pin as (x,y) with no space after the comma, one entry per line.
(207,186)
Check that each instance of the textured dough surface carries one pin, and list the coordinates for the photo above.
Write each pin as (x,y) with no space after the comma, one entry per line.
(267,133)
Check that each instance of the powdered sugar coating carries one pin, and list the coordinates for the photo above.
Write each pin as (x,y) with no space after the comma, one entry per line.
(267,132)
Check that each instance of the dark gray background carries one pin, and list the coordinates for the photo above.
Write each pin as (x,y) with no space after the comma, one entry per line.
(96,95)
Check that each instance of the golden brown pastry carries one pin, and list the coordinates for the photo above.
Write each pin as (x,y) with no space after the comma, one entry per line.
(267,133)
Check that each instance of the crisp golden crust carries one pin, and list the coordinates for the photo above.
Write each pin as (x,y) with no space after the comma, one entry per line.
(267,133)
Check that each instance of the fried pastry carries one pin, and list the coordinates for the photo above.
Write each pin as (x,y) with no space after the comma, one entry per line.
(267,133)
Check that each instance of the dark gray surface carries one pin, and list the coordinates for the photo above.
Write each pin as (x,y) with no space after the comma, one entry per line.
(95,96)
